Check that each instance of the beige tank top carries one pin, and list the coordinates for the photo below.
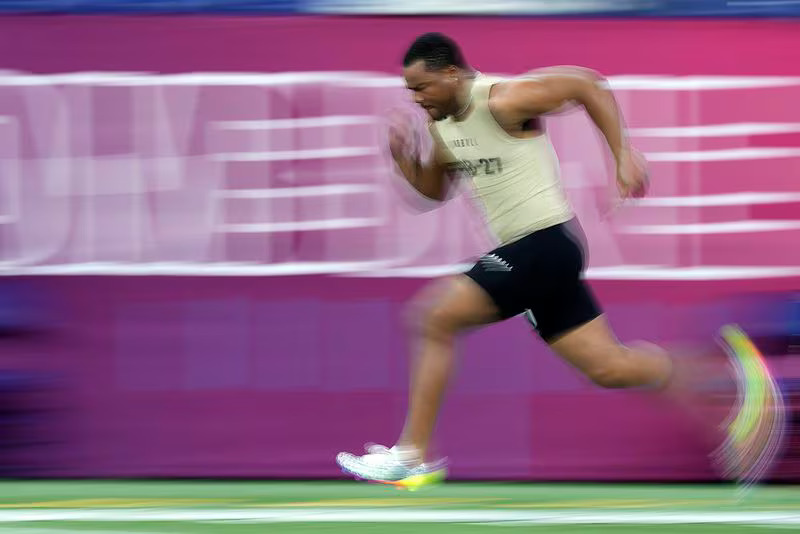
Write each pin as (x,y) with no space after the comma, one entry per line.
(515,181)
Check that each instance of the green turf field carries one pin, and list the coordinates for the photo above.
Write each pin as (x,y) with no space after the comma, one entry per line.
(345,507)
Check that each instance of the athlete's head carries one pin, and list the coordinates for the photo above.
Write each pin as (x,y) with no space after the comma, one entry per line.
(434,69)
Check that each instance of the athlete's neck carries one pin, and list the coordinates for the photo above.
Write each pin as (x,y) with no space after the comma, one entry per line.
(464,99)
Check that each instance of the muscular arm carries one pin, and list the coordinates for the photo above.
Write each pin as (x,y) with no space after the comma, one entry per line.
(548,90)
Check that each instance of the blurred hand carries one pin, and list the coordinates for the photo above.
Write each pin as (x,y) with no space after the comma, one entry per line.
(632,177)
(402,138)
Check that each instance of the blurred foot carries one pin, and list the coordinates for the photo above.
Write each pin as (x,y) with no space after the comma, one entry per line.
(756,425)
(388,466)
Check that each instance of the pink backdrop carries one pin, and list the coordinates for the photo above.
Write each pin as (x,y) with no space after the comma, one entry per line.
(256,369)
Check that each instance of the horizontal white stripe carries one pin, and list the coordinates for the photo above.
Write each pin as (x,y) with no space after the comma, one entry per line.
(408,515)
(188,79)
(646,83)
(299,226)
(724,199)
(5,219)
(728,227)
(698,83)
(288,155)
(11,78)
(691,273)
(422,271)
(307,122)
(728,154)
(197,269)
(384,269)
(293,192)
(718,130)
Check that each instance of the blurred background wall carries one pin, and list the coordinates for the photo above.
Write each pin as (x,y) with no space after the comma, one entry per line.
(205,254)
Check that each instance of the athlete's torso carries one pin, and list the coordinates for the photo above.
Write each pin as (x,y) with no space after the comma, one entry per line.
(515,180)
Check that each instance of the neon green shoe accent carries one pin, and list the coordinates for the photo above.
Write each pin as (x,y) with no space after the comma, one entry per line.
(416,482)
(755,383)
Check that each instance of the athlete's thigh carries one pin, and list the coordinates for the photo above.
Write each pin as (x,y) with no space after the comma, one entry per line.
(558,298)
(458,300)
(587,347)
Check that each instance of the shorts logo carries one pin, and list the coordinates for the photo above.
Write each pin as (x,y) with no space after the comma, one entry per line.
(493,262)
(531,319)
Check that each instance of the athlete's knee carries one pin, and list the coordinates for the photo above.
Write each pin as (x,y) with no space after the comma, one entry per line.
(424,307)
(610,376)
(613,369)
(626,367)
(429,318)
(438,321)
(446,308)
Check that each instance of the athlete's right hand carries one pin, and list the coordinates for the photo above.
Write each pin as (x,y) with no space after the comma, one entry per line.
(415,154)
(632,176)
(403,143)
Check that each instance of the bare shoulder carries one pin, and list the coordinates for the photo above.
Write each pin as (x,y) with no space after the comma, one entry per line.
(540,91)
(507,97)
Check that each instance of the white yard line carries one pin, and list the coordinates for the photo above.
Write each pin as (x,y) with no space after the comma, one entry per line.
(405,515)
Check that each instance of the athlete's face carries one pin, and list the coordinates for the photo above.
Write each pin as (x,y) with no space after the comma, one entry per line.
(433,90)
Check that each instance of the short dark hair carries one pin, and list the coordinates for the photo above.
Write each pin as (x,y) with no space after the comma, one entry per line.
(437,51)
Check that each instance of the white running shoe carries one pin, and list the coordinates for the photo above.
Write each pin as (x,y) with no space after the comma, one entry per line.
(383,464)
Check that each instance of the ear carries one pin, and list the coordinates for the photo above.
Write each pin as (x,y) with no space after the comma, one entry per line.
(452,73)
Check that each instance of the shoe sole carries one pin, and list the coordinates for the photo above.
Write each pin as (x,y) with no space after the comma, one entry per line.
(412,483)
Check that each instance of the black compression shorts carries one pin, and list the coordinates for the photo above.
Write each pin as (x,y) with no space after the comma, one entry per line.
(540,275)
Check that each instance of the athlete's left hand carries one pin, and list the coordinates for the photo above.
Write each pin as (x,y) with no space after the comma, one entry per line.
(632,177)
